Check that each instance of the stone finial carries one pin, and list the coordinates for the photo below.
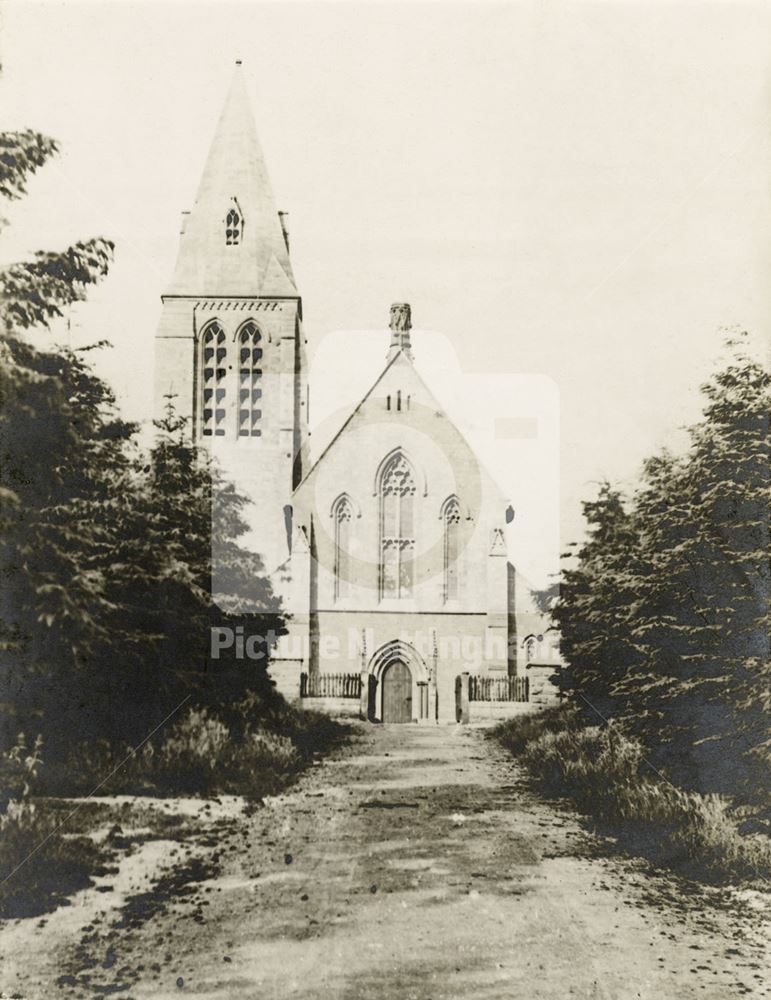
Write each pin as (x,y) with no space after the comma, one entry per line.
(401,317)
(400,325)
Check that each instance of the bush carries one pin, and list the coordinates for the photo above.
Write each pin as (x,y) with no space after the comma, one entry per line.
(605,774)
(199,755)
(39,866)
(313,732)
(19,768)
(517,733)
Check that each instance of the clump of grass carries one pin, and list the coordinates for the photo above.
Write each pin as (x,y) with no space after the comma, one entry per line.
(39,865)
(199,755)
(42,864)
(517,733)
(314,733)
(605,774)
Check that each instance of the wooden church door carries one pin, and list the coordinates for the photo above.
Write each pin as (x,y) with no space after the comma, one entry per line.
(397,693)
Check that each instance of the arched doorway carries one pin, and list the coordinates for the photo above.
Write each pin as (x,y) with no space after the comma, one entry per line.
(399,688)
(396,683)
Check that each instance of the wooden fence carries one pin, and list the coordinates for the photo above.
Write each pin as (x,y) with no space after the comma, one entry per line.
(498,688)
(330,686)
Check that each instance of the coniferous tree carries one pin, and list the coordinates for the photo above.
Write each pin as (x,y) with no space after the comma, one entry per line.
(597,603)
(664,616)
(701,691)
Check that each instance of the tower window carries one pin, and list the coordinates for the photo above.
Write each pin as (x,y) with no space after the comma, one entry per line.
(233,227)
(213,387)
(451,519)
(249,381)
(397,527)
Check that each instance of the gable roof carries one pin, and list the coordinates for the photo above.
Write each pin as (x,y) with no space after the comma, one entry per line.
(349,418)
(399,358)
(235,176)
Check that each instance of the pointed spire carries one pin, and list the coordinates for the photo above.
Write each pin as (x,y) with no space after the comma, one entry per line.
(234,236)
(401,324)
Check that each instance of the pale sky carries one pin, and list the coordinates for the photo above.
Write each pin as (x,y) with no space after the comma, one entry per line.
(574,194)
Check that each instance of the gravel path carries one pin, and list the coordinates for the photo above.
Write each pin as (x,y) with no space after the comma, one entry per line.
(413,864)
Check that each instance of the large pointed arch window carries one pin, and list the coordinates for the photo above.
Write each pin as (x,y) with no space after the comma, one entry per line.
(397,527)
(249,381)
(451,519)
(342,512)
(213,385)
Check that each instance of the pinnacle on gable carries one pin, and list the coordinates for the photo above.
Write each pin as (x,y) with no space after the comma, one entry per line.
(276,281)
(400,326)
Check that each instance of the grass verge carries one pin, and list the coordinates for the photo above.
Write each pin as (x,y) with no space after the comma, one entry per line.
(604,773)
(39,867)
(200,755)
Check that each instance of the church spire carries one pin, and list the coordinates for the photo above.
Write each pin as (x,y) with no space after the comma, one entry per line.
(400,325)
(233,242)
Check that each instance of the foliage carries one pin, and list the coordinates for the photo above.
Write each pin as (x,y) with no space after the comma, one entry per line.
(54,865)
(19,767)
(106,553)
(517,733)
(39,865)
(35,292)
(663,609)
(200,754)
(21,153)
(606,774)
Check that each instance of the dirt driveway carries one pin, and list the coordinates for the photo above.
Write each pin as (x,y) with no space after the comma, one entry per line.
(413,864)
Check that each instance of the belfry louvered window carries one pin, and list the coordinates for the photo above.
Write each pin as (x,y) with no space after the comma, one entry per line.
(451,518)
(233,227)
(397,528)
(213,385)
(249,381)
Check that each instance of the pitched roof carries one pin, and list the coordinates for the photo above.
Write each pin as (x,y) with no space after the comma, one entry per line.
(235,175)
(404,360)
(351,416)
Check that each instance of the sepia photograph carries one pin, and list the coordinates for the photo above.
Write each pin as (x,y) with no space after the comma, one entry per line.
(385,472)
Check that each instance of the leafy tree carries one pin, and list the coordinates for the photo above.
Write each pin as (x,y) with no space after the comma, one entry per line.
(60,438)
(106,553)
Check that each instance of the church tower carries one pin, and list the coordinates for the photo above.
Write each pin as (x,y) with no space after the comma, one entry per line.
(229,347)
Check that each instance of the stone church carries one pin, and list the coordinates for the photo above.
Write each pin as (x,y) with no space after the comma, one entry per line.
(388,548)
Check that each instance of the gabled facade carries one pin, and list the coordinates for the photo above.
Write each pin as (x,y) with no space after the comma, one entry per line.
(389,549)
(399,551)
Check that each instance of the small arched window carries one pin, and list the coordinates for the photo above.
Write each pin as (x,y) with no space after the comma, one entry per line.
(451,517)
(397,527)
(213,374)
(249,381)
(530,649)
(342,512)
(233,227)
